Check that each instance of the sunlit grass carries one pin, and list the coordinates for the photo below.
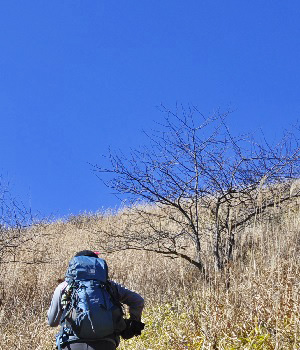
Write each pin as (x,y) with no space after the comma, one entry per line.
(260,310)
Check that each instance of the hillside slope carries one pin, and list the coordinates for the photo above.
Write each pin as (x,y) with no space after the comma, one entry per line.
(260,310)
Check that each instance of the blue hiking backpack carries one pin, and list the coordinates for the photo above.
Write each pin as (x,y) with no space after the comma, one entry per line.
(91,311)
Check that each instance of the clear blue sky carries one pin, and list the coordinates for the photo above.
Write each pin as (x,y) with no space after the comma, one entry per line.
(77,77)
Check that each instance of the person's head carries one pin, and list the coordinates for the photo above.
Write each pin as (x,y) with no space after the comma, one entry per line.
(87,253)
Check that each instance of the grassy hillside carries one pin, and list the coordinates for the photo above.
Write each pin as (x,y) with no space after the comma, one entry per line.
(260,310)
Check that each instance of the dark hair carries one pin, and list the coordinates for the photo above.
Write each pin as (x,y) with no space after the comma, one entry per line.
(86,253)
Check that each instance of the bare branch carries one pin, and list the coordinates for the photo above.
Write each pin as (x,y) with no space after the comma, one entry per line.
(196,183)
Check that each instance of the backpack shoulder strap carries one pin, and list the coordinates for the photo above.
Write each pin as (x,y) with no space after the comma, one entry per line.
(67,300)
(114,297)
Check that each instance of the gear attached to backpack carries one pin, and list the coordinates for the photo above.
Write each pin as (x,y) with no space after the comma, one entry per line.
(90,311)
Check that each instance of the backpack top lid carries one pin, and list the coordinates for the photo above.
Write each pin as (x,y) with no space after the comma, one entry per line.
(84,268)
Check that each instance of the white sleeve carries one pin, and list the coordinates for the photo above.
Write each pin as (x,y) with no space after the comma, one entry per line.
(55,310)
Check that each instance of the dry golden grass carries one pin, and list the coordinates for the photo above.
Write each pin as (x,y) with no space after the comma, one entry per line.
(260,310)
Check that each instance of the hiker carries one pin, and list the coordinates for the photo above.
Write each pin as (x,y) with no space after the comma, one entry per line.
(88,306)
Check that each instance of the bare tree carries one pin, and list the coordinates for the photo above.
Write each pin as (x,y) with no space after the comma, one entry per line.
(15,221)
(197,183)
